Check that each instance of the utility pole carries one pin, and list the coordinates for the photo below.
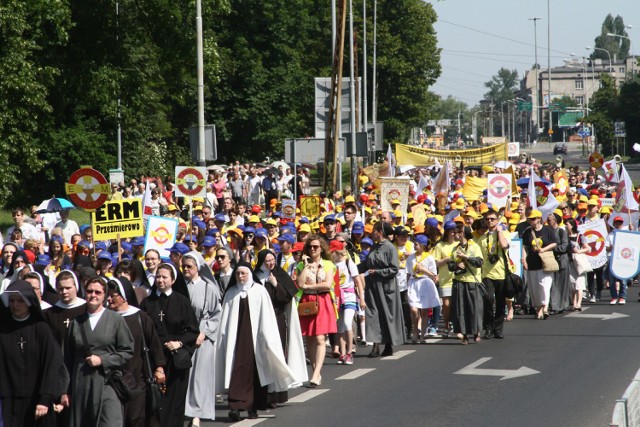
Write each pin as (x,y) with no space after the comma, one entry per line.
(352,94)
(365,112)
(200,66)
(536,65)
(374,88)
(549,65)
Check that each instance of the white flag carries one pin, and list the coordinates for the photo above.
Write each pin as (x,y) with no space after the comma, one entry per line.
(540,197)
(442,182)
(391,161)
(611,171)
(146,202)
(625,202)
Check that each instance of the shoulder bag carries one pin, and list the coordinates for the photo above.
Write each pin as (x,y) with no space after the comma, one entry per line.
(549,262)
(155,390)
(121,380)
(309,308)
(513,282)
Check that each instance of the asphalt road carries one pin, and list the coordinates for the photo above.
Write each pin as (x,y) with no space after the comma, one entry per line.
(574,367)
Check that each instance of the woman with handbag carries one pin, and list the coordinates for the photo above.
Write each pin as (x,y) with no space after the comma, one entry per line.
(538,242)
(315,281)
(99,344)
(148,362)
(177,329)
(578,249)
(561,289)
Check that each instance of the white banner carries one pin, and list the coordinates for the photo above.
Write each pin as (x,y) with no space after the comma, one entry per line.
(499,190)
(635,217)
(595,233)
(515,254)
(394,188)
(607,201)
(514,149)
(288,209)
(191,181)
(625,259)
(161,234)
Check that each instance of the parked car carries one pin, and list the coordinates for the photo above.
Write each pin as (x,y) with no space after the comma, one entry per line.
(560,148)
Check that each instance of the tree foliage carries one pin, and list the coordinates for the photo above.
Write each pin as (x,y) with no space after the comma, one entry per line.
(618,47)
(73,71)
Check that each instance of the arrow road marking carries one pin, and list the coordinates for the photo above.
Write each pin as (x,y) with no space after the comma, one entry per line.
(610,316)
(506,374)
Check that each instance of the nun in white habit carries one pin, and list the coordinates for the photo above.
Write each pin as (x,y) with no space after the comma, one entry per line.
(250,360)
(204,295)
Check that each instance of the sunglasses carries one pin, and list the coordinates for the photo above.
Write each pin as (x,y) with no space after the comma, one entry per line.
(315,246)
(220,256)
(91,291)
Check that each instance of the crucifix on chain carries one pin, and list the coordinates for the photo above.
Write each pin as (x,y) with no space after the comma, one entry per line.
(22,342)
(161,316)
(66,323)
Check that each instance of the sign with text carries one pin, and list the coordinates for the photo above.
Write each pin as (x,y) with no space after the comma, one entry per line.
(118,218)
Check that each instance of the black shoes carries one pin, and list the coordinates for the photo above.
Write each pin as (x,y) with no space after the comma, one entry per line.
(234,414)
(486,334)
(253,415)
(375,352)
(498,335)
(388,351)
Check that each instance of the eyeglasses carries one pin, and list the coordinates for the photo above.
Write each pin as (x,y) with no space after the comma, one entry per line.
(91,291)
(220,256)
(188,267)
(492,219)
(112,296)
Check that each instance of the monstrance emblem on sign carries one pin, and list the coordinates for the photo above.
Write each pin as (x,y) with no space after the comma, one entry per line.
(626,253)
(542,193)
(498,186)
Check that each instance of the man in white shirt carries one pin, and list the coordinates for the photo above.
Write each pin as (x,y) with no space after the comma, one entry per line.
(28,230)
(69,227)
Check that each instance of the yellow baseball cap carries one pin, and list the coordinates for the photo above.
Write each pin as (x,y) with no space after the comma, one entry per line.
(535,214)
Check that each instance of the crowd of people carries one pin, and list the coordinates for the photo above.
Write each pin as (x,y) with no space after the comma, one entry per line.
(250,297)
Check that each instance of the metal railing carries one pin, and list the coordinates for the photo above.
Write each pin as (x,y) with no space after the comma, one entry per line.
(626,412)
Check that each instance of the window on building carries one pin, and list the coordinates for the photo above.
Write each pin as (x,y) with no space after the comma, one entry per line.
(621,70)
(578,84)
(579,100)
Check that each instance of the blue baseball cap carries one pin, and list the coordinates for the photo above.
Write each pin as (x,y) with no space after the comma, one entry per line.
(212,232)
(208,242)
(276,215)
(126,246)
(304,220)
(137,241)
(200,224)
(261,232)
(83,227)
(220,217)
(249,230)
(367,241)
(450,225)
(101,246)
(287,237)
(114,260)
(432,222)
(191,238)
(329,218)
(104,255)
(276,248)
(43,260)
(422,239)
(180,248)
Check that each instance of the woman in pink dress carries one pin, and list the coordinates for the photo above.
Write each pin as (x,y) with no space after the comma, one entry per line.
(218,185)
(315,281)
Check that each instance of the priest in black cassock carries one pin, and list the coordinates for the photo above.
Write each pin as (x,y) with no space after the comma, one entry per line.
(30,361)
(177,329)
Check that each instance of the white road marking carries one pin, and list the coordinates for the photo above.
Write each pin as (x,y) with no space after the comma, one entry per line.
(398,355)
(308,395)
(506,374)
(355,374)
(608,316)
(247,422)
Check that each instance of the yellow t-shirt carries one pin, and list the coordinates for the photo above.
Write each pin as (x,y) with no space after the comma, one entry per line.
(490,245)
(441,251)
(404,252)
(473,273)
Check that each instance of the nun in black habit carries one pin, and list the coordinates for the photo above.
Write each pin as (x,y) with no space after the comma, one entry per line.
(31,363)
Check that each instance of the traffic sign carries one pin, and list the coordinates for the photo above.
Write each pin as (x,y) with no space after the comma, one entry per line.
(619,129)
(584,131)
(87,188)
(525,106)
(596,160)
(191,181)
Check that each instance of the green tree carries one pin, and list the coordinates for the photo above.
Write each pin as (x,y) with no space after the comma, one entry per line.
(408,64)
(502,88)
(604,109)
(30,33)
(629,111)
(616,46)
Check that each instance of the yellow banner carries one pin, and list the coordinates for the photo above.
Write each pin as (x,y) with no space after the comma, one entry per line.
(473,187)
(118,218)
(416,156)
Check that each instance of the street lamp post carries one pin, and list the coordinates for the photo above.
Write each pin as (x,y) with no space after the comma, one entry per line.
(535,41)
(608,54)
(630,50)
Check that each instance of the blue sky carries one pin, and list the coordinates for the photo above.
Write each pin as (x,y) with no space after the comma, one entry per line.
(478,37)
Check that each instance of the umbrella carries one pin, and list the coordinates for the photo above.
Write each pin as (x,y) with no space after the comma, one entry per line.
(524,182)
(503,164)
(54,205)
(279,163)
